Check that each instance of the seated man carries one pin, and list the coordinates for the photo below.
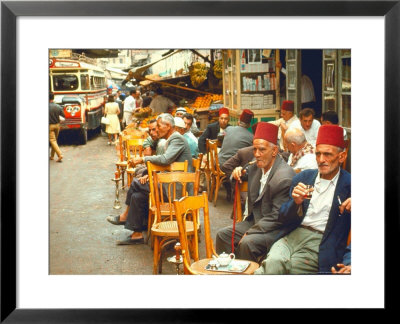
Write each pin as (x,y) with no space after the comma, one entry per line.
(315,235)
(213,129)
(153,144)
(137,197)
(302,156)
(180,127)
(193,128)
(345,266)
(287,118)
(269,183)
(307,124)
(192,140)
(236,137)
(330,117)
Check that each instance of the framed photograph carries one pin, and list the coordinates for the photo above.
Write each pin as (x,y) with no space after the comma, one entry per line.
(254,56)
(29,294)
(330,77)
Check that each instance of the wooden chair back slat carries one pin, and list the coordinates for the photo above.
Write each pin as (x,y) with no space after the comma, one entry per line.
(183,208)
(172,179)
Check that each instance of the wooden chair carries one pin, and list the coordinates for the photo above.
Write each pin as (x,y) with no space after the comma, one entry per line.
(189,206)
(166,229)
(217,175)
(243,187)
(175,166)
(184,208)
(205,169)
(347,142)
(134,148)
(121,163)
(196,163)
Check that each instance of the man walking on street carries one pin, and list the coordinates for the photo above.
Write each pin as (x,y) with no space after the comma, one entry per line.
(55,111)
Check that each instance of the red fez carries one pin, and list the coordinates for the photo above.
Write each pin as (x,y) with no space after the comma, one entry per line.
(246,116)
(267,131)
(331,135)
(254,127)
(223,110)
(288,105)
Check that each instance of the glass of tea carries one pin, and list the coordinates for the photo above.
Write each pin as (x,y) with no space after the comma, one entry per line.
(309,189)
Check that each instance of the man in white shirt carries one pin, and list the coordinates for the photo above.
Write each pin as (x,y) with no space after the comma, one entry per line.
(315,227)
(287,118)
(307,124)
(129,107)
(302,153)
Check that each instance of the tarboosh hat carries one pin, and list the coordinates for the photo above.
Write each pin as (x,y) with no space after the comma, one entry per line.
(246,116)
(267,131)
(288,105)
(331,135)
(223,110)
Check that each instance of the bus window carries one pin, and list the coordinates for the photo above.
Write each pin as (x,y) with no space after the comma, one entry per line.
(84,82)
(65,82)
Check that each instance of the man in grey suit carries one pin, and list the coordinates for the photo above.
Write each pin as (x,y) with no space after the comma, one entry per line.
(137,197)
(269,183)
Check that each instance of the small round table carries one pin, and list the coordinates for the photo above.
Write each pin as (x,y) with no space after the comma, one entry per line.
(199,266)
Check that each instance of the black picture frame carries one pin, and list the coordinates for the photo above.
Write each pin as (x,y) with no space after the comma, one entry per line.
(10,10)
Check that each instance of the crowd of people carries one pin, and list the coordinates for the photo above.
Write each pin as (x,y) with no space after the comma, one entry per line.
(297,211)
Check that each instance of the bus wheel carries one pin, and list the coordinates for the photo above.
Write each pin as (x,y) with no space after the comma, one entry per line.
(83,136)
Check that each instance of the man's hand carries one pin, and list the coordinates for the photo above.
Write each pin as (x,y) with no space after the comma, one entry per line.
(237,173)
(137,160)
(343,269)
(299,192)
(346,205)
(144,179)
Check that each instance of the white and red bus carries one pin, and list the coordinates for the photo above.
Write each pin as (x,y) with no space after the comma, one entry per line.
(81,89)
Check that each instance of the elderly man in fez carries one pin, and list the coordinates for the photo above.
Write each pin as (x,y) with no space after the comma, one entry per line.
(316,235)
(269,183)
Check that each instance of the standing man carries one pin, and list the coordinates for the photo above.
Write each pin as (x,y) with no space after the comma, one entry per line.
(315,237)
(302,153)
(287,118)
(137,197)
(55,111)
(269,183)
(161,104)
(129,107)
(213,129)
(307,124)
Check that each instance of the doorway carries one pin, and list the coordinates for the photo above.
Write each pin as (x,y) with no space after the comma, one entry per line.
(311,66)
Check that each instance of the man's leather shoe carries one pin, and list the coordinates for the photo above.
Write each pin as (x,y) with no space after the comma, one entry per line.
(115,220)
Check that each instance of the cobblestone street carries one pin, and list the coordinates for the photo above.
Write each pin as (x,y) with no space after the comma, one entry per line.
(81,197)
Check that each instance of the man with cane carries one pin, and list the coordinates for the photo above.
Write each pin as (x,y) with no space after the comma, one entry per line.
(269,180)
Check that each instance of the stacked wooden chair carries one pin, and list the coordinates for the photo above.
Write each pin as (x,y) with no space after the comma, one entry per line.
(165,229)
(217,175)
